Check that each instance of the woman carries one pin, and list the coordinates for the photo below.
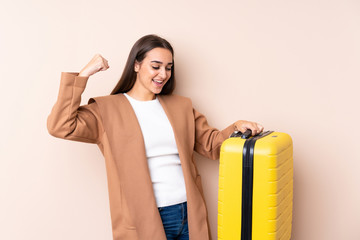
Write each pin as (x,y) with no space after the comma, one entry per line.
(147,136)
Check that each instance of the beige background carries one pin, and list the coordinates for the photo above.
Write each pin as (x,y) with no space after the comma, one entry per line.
(291,65)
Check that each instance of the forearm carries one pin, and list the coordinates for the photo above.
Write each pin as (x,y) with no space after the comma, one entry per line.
(208,139)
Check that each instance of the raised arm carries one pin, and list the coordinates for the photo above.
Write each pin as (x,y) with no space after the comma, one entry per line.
(69,120)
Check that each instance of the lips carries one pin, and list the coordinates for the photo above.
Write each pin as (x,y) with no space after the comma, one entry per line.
(158,83)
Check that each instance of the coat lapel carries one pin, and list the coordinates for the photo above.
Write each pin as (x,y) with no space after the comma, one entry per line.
(175,118)
(178,122)
(128,148)
(180,115)
(140,194)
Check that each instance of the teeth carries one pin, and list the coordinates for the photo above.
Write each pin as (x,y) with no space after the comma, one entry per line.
(158,81)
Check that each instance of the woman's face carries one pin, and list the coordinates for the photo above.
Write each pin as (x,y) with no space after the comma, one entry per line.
(154,71)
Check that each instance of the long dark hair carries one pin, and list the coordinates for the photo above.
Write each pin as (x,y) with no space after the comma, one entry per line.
(138,53)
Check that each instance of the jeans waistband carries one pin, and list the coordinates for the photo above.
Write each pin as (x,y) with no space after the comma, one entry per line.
(179,204)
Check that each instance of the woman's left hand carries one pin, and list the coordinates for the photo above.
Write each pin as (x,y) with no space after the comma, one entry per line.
(243,125)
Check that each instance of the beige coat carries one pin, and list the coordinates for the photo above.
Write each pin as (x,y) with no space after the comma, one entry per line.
(110,122)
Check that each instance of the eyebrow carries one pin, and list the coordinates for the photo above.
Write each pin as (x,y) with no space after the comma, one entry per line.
(155,61)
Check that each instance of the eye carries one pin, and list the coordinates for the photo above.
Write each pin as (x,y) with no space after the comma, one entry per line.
(168,69)
(157,68)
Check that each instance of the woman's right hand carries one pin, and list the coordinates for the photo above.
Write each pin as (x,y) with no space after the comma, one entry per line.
(96,64)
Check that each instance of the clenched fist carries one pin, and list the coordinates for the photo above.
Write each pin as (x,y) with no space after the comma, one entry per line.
(96,64)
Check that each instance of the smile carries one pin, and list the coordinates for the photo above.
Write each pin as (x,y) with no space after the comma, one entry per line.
(158,83)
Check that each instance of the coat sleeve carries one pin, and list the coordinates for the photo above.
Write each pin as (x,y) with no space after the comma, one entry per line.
(208,139)
(69,120)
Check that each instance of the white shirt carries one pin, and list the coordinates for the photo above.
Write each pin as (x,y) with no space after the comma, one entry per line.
(161,151)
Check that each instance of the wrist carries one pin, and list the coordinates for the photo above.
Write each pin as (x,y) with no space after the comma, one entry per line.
(83,74)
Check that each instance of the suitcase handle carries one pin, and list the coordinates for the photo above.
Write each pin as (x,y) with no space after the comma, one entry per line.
(244,135)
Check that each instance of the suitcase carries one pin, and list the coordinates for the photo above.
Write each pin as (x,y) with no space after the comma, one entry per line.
(255,187)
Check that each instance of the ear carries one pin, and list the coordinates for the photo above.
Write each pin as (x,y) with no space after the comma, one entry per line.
(136,66)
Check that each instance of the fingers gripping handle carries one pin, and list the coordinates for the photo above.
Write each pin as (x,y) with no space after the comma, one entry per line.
(244,135)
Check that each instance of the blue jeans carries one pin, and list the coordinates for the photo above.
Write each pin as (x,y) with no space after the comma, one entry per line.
(175,221)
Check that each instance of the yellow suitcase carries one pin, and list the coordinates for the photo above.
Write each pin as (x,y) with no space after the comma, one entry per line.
(255,187)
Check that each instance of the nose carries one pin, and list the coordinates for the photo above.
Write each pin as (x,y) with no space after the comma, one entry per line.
(162,73)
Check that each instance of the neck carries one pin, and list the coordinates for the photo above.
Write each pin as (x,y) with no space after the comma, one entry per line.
(141,96)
